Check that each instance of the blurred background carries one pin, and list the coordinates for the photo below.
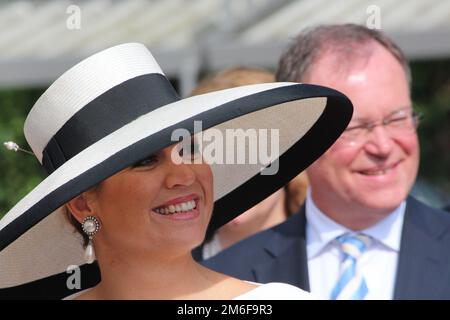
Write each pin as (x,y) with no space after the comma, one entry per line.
(41,39)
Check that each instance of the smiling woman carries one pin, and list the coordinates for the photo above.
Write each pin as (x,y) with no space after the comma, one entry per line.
(115,170)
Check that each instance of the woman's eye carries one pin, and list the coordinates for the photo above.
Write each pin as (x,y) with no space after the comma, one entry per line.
(146,162)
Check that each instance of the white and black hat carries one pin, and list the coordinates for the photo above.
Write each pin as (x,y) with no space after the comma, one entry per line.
(115,108)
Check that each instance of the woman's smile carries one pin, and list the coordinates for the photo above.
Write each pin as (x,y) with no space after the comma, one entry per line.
(180,208)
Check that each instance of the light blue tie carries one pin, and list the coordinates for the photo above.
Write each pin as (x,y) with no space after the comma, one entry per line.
(351,284)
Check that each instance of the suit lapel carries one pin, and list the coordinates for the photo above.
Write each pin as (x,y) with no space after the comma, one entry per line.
(421,267)
(287,249)
(422,271)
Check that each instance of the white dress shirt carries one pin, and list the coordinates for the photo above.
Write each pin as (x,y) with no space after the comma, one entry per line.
(378,264)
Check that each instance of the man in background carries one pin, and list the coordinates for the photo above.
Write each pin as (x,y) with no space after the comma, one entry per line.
(359,235)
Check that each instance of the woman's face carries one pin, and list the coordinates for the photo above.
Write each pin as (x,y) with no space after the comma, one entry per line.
(155,206)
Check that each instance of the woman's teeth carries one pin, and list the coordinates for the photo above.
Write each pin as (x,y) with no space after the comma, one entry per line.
(176,208)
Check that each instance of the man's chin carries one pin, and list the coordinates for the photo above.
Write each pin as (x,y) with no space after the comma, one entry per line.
(383,202)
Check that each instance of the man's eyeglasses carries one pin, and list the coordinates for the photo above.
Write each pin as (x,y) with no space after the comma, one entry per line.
(397,123)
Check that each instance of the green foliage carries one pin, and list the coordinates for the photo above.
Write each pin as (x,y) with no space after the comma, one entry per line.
(20,172)
(431,96)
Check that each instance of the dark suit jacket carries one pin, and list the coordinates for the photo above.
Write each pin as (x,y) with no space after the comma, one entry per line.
(279,254)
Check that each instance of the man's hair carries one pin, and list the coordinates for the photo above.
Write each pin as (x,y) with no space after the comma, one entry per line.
(347,41)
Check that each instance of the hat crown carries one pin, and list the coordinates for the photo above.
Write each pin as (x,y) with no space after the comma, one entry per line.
(80,85)
(93,99)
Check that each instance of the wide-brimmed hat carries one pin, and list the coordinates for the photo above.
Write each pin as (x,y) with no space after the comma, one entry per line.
(115,108)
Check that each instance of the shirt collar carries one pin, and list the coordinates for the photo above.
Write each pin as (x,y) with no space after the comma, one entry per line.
(321,230)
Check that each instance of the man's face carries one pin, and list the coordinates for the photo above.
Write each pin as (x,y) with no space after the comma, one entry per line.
(374,175)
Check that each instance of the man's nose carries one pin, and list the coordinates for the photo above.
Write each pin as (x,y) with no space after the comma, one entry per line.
(380,142)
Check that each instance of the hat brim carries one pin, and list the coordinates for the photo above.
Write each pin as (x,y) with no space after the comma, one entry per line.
(37,241)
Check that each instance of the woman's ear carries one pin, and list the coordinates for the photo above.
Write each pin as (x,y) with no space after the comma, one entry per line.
(81,206)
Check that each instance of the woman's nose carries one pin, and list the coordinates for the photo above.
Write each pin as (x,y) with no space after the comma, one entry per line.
(178,172)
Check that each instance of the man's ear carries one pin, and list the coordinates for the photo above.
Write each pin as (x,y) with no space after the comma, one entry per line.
(81,207)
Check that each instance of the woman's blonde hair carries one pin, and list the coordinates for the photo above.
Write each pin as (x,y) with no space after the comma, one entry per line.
(231,78)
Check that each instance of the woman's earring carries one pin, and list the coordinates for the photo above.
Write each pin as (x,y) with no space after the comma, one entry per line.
(90,225)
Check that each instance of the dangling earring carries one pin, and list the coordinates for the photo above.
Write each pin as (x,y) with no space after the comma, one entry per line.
(90,225)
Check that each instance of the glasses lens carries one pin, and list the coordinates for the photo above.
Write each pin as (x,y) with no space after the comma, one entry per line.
(400,122)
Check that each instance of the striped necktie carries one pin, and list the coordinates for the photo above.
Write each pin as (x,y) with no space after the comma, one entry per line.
(351,285)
